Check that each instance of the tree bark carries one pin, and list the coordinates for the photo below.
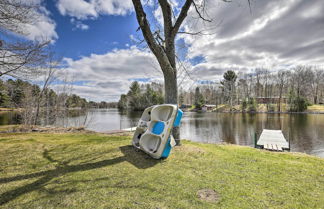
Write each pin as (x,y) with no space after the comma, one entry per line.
(171,97)
(170,87)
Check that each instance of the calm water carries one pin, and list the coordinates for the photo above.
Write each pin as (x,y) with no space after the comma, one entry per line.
(306,131)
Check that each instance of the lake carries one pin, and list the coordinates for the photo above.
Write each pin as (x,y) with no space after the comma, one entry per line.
(305,131)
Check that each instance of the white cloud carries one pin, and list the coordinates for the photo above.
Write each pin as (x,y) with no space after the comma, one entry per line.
(43,28)
(77,8)
(106,76)
(113,7)
(79,25)
(82,9)
(82,26)
(276,34)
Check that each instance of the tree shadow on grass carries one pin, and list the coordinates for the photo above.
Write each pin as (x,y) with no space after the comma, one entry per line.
(138,158)
(131,155)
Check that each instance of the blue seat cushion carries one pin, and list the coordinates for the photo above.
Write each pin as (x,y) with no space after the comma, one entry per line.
(158,128)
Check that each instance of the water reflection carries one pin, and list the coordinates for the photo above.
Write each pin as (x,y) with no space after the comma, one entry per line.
(10,117)
(305,131)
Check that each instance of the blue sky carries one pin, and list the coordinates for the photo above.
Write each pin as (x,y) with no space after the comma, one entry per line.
(96,40)
(104,34)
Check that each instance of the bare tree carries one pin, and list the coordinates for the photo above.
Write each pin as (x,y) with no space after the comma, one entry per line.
(48,77)
(15,13)
(19,56)
(28,104)
(258,88)
(281,79)
(318,79)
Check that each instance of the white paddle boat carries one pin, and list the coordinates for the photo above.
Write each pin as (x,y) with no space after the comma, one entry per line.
(153,132)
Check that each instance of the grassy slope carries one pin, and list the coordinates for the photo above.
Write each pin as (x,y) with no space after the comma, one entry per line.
(100,171)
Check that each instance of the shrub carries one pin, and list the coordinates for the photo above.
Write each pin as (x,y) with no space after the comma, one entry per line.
(244,105)
(298,104)
(252,105)
(271,108)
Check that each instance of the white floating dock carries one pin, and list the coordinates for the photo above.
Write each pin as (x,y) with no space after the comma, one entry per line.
(273,140)
(130,129)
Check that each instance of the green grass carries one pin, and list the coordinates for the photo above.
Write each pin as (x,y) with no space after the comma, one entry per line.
(315,108)
(42,170)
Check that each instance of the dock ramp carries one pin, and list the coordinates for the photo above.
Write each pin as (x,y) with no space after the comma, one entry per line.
(273,140)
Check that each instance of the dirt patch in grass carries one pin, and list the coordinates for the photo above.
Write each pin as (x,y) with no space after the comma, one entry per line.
(188,148)
(208,195)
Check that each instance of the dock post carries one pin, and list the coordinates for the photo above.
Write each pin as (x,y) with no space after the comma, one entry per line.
(255,140)
(289,134)
(289,140)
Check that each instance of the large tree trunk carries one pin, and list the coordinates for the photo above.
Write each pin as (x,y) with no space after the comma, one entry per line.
(171,95)
(170,87)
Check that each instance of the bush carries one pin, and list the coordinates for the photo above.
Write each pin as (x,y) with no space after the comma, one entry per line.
(298,104)
(244,105)
(271,108)
(252,105)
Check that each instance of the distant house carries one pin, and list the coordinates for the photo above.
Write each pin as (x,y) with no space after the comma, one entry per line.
(208,107)
(270,100)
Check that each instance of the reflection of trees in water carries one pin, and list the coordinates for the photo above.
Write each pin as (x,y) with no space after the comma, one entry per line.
(129,118)
(202,127)
(245,132)
(272,121)
(10,118)
(301,132)
(240,128)
(199,126)
(228,128)
(306,131)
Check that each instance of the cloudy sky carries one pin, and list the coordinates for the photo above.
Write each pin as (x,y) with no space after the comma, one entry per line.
(98,41)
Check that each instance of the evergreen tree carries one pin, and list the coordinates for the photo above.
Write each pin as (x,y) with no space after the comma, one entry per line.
(199,99)
(229,85)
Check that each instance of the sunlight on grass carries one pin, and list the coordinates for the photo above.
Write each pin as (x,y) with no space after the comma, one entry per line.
(317,108)
(101,171)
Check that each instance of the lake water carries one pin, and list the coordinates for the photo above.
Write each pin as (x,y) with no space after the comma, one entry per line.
(305,131)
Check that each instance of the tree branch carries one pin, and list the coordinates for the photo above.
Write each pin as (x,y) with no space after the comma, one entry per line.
(156,49)
(145,27)
(181,17)
(167,17)
(198,12)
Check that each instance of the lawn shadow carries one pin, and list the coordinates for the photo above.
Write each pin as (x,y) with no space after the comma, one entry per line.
(137,158)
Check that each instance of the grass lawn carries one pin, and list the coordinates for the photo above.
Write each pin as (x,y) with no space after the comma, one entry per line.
(315,108)
(43,170)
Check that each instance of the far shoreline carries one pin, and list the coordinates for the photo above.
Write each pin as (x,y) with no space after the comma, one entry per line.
(255,112)
(5,110)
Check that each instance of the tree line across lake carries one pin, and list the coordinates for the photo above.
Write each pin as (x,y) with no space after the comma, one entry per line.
(284,90)
(276,91)
(13,94)
(40,103)
(142,96)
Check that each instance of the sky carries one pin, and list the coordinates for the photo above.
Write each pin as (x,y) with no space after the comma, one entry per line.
(99,43)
